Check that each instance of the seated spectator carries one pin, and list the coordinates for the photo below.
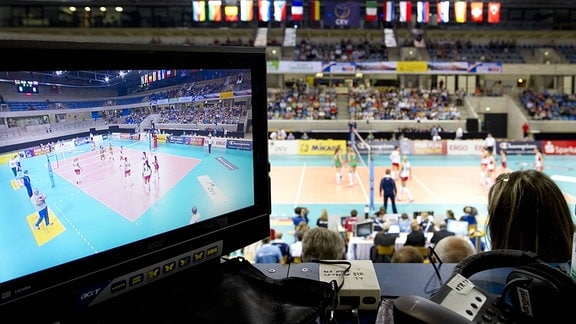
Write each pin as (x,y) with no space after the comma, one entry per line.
(284,247)
(302,227)
(407,254)
(296,248)
(470,217)
(385,239)
(453,249)
(300,214)
(527,211)
(416,236)
(449,216)
(323,219)
(349,223)
(427,223)
(404,223)
(322,244)
(441,233)
(268,253)
(379,219)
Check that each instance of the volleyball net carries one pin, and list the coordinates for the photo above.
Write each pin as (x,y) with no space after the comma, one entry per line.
(358,142)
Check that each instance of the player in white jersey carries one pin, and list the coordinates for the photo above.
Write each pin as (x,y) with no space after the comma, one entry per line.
(405,175)
(538,159)
(396,159)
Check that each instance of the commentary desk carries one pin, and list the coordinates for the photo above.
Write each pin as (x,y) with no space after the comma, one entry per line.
(169,300)
(398,279)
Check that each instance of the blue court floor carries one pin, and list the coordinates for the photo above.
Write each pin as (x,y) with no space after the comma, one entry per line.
(83,220)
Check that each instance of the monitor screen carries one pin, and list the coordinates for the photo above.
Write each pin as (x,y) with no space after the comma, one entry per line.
(363,228)
(335,223)
(132,163)
(460,228)
(394,229)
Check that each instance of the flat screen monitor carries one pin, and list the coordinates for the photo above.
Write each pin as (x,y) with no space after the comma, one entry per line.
(363,228)
(394,229)
(460,228)
(89,141)
(335,223)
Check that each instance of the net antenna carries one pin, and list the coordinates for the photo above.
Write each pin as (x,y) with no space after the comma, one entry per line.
(49,165)
(370,166)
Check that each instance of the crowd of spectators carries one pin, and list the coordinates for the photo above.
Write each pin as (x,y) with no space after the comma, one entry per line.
(401,104)
(549,106)
(200,110)
(504,51)
(343,51)
(302,102)
(213,114)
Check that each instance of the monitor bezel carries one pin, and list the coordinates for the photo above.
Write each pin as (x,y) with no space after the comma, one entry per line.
(462,228)
(56,289)
(366,223)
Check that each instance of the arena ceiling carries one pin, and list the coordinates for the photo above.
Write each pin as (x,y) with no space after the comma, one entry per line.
(512,3)
(77,78)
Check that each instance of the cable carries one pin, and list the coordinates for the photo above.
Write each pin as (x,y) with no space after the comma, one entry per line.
(355,315)
(344,273)
(433,258)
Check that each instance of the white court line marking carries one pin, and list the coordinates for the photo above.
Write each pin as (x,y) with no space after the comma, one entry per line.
(430,192)
(300,185)
(366,196)
(563,178)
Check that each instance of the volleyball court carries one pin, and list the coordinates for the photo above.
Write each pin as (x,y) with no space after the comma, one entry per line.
(103,176)
(438,183)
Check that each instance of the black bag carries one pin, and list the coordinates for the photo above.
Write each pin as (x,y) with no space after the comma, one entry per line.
(241,293)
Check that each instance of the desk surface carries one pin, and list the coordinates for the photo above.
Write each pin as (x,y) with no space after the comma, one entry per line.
(399,279)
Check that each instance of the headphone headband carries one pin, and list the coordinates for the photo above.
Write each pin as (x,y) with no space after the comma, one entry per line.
(495,259)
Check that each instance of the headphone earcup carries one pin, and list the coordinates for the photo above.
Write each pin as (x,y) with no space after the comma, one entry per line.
(540,291)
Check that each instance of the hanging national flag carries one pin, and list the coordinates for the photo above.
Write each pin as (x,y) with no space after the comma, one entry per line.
(279,10)
(264,10)
(460,11)
(422,11)
(493,12)
(297,10)
(477,11)
(443,10)
(315,10)
(214,10)
(371,10)
(231,11)
(246,10)
(405,11)
(199,9)
(389,9)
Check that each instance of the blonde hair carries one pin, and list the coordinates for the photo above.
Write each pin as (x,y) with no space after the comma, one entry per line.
(324,214)
(414,225)
(407,254)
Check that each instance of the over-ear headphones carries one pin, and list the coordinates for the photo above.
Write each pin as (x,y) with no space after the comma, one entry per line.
(536,290)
